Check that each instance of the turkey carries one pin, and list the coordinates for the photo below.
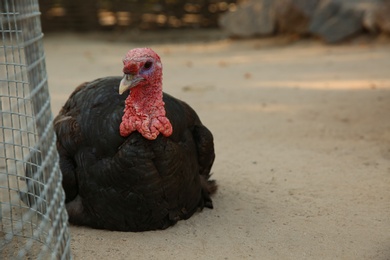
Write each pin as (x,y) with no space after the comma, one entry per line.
(132,157)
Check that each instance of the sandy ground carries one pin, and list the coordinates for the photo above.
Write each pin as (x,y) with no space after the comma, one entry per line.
(302,136)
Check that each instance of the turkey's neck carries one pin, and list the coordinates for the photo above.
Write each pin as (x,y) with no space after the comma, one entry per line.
(146,99)
(144,112)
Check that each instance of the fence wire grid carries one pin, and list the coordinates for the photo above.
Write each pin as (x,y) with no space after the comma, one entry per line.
(33,219)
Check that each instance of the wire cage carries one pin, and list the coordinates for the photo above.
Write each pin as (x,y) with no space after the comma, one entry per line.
(33,219)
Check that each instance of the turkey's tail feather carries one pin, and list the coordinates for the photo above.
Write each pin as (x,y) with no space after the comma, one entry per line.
(206,156)
(209,187)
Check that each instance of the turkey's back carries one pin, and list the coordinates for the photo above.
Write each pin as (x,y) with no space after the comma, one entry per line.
(130,184)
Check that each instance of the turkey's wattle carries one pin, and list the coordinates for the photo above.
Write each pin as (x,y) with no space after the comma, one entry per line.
(144,110)
(119,172)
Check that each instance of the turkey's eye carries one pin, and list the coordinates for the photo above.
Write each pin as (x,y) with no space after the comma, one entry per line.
(148,64)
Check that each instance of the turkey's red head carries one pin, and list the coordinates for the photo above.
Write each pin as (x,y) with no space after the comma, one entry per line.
(144,107)
(141,66)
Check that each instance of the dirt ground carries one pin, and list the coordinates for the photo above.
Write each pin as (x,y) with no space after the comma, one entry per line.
(302,136)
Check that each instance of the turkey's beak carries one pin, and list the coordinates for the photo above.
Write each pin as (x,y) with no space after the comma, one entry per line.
(129,81)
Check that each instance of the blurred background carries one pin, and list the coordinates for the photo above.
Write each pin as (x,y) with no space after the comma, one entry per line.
(92,15)
(330,20)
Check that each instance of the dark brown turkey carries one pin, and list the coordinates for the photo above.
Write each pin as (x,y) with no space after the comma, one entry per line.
(132,157)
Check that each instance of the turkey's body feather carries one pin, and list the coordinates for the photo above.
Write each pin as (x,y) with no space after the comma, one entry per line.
(130,183)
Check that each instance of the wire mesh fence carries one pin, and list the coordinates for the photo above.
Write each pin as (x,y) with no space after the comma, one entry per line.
(33,219)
